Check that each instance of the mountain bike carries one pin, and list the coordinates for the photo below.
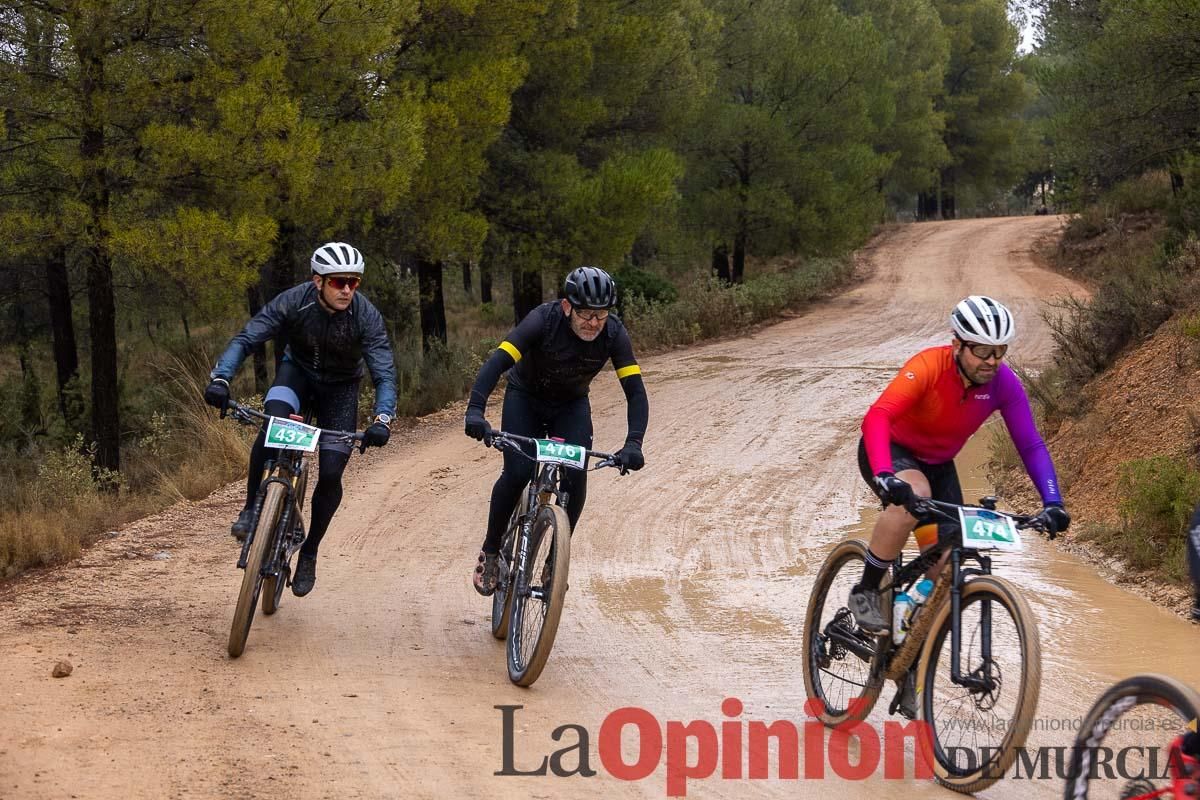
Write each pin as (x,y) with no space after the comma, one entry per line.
(1113,728)
(974,637)
(277,529)
(535,553)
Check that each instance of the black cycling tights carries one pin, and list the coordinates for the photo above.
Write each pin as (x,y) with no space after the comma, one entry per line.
(1192,545)
(525,415)
(327,494)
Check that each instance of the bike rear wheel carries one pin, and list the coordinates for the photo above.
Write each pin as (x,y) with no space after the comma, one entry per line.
(538,596)
(839,656)
(1123,720)
(972,734)
(264,536)
(502,597)
(273,585)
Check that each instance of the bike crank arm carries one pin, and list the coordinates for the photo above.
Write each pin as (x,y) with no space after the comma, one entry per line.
(849,641)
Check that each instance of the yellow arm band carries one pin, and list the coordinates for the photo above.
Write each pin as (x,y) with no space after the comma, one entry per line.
(512,351)
(632,369)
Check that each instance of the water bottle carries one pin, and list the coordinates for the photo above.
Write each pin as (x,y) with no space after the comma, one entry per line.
(920,593)
(905,606)
(902,604)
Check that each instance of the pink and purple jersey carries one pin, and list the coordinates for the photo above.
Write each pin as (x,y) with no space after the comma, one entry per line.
(927,409)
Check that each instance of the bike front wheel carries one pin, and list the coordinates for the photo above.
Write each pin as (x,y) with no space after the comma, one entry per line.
(972,732)
(502,597)
(838,655)
(1127,719)
(264,536)
(538,595)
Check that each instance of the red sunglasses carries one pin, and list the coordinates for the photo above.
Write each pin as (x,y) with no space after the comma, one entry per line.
(344,283)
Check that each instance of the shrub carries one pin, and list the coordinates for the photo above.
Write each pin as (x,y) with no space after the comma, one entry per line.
(1156,500)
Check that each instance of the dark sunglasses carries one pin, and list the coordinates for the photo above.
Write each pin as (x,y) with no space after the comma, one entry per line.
(985,351)
(343,283)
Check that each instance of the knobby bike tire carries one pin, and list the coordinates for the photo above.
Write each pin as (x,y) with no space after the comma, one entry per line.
(264,536)
(525,667)
(1148,689)
(999,591)
(502,597)
(849,554)
(273,586)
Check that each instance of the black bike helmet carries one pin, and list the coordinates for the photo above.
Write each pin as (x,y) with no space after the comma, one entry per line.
(590,287)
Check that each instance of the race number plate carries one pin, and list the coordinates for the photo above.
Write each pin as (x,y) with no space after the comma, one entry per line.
(987,530)
(287,434)
(570,455)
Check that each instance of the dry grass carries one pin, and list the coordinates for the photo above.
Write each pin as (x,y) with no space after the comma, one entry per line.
(63,506)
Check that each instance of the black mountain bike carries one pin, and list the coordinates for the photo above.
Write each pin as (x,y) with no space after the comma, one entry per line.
(1146,717)
(535,554)
(971,640)
(277,530)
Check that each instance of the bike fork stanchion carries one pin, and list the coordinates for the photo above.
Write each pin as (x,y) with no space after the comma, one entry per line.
(955,620)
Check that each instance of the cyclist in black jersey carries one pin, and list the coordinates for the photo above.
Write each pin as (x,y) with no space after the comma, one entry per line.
(1192,545)
(332,330)
(551,358)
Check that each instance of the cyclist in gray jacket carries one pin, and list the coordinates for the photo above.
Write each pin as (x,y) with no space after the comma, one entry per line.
(331,331)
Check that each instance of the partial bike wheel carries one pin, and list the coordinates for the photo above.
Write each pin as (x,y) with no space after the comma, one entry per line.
(264,535)
(538,595)
(273,586)
(502,597)
(1146,715)
(972,733)
(838,655)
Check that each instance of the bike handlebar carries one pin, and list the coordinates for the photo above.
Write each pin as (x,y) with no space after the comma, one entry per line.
(927,505)
(247,415)
(502,440)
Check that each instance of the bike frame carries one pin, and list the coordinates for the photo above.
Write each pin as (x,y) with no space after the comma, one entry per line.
(289,468)
(905,575)
(546,481)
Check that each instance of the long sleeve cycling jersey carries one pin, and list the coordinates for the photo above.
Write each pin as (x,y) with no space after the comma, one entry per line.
(330,348)
(545,358)
(927,409)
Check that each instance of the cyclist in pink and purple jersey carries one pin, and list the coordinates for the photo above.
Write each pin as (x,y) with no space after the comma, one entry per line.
(918,425)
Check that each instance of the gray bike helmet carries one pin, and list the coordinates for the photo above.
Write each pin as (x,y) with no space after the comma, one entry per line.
(336,258)
(981,319)
(590,287)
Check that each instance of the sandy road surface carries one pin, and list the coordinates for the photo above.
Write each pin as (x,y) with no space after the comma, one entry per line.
(688,585)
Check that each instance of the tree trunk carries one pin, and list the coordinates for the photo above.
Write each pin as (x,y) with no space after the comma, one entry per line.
(739,252)
(485,281)
(62,329)
(433,307)
(262,381)
(281,276)
(94,192)
(187,329)
(487,262)
(720,262)
(31,390)
(466,272)
(527,291)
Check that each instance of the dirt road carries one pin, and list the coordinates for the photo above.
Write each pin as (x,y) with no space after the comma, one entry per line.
(688,586)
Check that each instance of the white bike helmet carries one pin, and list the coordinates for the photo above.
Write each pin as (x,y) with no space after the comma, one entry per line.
(336,258)
(983,320)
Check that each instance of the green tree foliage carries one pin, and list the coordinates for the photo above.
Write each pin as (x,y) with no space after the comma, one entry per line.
(917,53)
(585,159)
(1124,82)
(982,98)
(784,156)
